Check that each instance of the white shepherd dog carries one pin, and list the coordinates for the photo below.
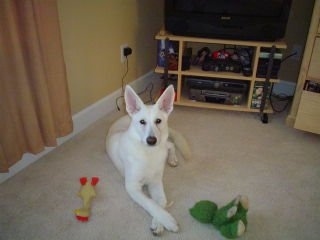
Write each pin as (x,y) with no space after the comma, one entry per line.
(139,146)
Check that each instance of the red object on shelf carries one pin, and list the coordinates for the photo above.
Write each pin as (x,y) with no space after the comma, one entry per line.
(220,54)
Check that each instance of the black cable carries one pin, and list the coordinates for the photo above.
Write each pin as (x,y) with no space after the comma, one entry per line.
(122,83)
(150,85)
(125,74)
(289,56)
(150,92)
(281,98)
(273,104)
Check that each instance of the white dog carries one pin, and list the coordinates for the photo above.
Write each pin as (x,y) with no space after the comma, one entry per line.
(139,147)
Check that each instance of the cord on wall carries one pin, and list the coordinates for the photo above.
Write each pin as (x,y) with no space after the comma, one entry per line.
(148,89)
(122,82)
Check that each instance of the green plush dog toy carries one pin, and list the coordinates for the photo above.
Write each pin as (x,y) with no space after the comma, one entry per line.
(230,220)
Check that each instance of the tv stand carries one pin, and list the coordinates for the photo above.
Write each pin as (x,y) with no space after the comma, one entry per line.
(247,105)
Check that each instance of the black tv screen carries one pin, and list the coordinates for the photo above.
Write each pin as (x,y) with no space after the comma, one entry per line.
(230,19)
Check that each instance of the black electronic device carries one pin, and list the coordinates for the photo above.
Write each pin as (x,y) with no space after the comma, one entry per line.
(264,61)
(263,67)
(216,96)
(217,84)
(186,59)
(222,65)
(263,20)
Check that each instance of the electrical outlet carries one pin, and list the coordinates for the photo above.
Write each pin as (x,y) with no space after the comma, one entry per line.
(122,57)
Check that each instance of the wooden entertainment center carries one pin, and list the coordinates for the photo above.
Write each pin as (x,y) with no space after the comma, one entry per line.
(182,97)
(305,110)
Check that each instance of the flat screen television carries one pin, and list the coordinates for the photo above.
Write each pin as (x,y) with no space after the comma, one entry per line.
(258,20)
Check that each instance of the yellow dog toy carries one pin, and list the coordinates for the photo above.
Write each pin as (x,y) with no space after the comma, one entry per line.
(87,193)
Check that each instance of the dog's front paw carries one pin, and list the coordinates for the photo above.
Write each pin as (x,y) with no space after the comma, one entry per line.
(156,227)
(172,160)
(171,224)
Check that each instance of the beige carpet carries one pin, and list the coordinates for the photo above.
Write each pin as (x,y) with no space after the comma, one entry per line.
(234,153)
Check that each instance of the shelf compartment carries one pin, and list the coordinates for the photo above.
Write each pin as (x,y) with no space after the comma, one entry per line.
(197,71)
(185,101)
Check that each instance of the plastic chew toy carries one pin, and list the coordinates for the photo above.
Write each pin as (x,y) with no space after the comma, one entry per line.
(87,193)
(230,220)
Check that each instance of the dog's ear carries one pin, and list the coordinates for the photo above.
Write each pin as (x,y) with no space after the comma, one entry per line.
(133,101)
(165,101)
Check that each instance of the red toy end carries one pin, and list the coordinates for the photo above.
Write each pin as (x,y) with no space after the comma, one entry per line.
(83,180)
(94,181)
(83,219)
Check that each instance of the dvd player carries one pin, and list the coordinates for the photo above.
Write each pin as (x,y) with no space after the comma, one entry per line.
(217,84)
(215,96)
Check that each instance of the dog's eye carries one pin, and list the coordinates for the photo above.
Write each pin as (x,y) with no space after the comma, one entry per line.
(143,122)
(158,121)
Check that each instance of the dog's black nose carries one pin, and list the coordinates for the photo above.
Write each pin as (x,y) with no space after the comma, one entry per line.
(151,140)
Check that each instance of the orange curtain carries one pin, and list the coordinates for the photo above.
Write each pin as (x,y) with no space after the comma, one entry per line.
(34,97)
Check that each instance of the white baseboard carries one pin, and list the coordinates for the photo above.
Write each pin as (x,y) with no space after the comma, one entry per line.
(82,120)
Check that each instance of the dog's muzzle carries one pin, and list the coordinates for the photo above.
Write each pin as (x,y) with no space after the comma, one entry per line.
(151,140)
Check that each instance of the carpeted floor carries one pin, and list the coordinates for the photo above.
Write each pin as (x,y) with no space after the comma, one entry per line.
(277,167)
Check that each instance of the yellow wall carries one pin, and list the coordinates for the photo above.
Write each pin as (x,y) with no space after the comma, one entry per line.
(92,32)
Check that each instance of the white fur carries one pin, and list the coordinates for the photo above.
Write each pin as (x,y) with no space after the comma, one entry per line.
(143,164)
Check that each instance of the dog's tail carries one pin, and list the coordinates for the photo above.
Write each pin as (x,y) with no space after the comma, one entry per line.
(181,143)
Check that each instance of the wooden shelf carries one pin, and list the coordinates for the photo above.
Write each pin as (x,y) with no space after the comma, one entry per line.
(184,101)
(279,44)
(196,71)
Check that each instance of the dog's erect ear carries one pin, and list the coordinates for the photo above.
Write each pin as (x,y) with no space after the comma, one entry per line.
(133,101)
(165,102)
